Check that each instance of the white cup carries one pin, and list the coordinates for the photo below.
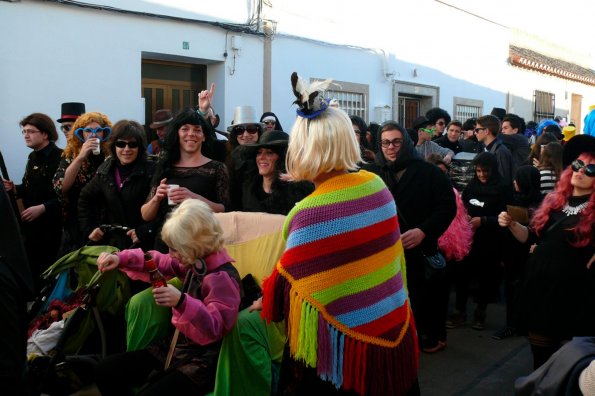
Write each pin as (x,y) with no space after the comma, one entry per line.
(97,149)
(169,188)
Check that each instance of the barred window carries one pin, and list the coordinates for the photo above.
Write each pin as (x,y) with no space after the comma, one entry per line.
(466,108)
(545,105)
(350,97)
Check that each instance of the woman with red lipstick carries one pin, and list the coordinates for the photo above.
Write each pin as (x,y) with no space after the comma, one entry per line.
(557,300)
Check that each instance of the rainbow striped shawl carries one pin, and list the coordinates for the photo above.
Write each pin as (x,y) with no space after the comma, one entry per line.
(340,287)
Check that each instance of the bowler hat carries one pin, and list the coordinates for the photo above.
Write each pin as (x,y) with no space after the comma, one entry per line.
(161,118)
(245,115)
(71,111)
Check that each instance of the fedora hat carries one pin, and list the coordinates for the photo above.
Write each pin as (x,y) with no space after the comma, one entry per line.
(71,111)
(161,118)
(420,122)
(244,115)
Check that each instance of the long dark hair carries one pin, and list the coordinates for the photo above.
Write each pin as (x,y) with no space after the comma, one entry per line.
(171,146)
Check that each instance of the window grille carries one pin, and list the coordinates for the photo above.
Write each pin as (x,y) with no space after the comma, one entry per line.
(353,103)
(464,112)
(545,105)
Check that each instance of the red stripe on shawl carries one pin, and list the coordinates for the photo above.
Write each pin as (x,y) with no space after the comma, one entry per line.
(394,319)
(303,253)
(365,297)
(330,261)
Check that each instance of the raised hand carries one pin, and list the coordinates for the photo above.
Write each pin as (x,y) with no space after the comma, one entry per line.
(205,98)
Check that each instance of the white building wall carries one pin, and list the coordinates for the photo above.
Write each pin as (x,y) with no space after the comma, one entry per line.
(53,53)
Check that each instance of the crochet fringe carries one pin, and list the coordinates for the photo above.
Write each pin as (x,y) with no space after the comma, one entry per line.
(345,361)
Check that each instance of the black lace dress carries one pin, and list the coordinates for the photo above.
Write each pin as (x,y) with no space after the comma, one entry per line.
(558,295)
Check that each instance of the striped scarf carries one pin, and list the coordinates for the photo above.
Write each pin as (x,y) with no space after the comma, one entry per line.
(340,287)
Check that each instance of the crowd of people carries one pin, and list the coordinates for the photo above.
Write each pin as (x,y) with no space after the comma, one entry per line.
(376,235)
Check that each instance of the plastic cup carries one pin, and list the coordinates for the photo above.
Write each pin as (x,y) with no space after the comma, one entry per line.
(169,188)
(97,149)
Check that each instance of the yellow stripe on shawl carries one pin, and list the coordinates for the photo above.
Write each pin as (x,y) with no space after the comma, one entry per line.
(375,269)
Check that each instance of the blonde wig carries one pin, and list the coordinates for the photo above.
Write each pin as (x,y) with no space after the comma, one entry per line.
(74,145)
(193,231)
(322,144)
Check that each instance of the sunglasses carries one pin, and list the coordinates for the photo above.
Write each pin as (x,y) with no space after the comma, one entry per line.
(395,142)
(251,129)
(441,123)
(65,128)
(577,165)
(106,132)
(427,130)
(123,143)
(477,130)
(269,122)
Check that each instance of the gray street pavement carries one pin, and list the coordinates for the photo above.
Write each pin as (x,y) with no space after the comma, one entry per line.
(475,364)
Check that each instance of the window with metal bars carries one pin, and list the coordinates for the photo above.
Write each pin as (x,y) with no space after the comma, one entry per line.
(464,112)
(350,97)
(545,106)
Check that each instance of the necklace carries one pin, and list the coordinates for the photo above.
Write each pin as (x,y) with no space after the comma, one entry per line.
(574,210)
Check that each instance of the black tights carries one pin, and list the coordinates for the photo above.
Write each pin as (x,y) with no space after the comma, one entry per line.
(120,374)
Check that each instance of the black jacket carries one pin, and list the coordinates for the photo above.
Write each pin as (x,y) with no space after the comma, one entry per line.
(444,142)
(423,193)
(100,202)
(282,199)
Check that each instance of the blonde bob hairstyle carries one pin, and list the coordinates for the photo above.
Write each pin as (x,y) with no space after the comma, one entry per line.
(321,145)
(193,231)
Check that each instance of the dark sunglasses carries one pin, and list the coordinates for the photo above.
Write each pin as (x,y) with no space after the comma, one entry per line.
(124,143)
(577,165)
(251,129)
(269,122)
(65,128)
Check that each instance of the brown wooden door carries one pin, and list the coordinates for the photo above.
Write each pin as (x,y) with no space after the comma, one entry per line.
(408,111)
(167,95)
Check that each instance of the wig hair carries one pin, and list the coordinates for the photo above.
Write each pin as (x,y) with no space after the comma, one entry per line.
(128,129)
(171,146)
(551,157)
(555,201)
(322,144)
(193,231)
(491,122)
(74,145)
(42,122)
(436,113)
(469,124)
(542,140)
(515,122)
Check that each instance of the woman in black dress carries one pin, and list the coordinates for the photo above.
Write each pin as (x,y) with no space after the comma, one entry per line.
(557,300)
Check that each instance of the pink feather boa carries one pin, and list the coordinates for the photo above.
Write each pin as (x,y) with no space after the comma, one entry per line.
(456,241)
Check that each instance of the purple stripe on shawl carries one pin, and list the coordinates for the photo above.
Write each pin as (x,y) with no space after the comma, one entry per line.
(365,297)
(340,209)
(336,259)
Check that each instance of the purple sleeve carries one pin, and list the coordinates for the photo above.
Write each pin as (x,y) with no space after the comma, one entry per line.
(209,320)
(132,263)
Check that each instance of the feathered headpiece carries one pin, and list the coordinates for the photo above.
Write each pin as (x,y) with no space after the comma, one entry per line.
(310,99)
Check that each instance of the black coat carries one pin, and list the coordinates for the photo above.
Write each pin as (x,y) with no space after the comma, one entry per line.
(283,198)
(423,193)
(100,202)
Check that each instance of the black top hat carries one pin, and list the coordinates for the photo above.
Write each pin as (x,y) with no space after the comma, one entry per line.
(161,118)
(71,111)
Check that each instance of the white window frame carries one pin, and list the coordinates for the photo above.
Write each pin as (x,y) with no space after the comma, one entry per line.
(351,97)
(465,108)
